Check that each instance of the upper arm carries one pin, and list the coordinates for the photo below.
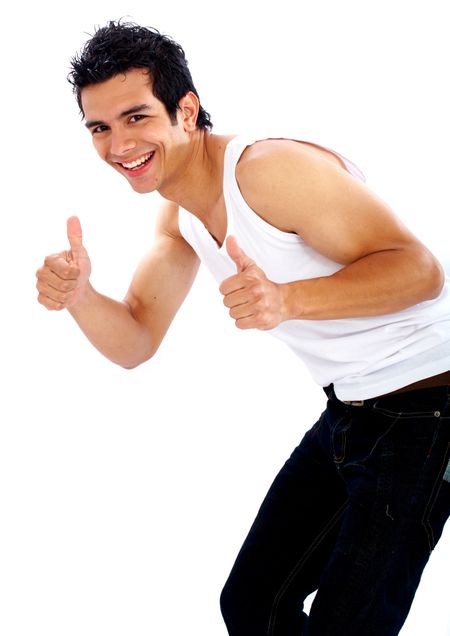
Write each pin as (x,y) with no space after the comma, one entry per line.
(163,278)
(299,190)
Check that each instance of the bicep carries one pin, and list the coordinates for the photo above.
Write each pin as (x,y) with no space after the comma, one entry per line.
(161,282)
(345,221)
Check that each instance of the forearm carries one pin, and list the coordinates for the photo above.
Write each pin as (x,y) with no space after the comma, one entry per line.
(377,284)
(111,328)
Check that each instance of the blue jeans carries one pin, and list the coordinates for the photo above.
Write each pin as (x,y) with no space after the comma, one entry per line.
(354,514)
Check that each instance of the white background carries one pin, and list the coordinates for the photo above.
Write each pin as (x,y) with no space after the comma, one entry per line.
(125,495)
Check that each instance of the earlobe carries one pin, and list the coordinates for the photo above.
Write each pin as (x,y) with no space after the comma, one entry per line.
(189,106)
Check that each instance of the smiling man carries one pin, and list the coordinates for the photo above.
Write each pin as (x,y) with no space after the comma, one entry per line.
(300,247)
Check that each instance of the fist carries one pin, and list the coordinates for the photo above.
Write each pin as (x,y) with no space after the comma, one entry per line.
(254,302)
(63,278)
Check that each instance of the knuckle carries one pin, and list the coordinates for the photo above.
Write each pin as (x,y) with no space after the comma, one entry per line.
(61,298)
(44,301)
(50,259)
(66,286)
(258,289)
(73,270)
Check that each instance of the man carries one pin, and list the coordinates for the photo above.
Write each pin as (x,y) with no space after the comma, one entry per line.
(301,248)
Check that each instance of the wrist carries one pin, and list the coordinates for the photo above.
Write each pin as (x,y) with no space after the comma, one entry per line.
(83,297)
(288,311)
(294,300)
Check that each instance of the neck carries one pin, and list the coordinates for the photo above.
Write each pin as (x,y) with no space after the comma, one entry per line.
(197,185)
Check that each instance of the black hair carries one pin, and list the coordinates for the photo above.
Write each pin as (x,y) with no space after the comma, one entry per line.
(121,46)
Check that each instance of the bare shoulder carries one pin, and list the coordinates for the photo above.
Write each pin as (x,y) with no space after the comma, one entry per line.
(281,178)
(167,220)
(279,154)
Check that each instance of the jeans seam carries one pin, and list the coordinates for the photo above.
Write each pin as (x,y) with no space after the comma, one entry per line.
(416,415)
(433,496)
(295,570)
(338,459)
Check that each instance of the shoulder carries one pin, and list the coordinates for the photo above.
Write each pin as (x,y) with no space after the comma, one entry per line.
(168,240)
(167,220)
(284,156)
(275,176)
(167,227)
(262,154)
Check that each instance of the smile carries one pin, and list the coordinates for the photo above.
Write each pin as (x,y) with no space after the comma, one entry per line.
(138,163)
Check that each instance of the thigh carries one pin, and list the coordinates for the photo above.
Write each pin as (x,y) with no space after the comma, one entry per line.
(290,540)
(393,458)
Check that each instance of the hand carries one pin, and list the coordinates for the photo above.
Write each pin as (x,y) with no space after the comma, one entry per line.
(63,278)
(254,301)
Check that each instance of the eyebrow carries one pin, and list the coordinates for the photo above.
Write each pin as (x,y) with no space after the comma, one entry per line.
(129,111)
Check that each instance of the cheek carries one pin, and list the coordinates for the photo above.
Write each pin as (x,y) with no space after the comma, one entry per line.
(101,147)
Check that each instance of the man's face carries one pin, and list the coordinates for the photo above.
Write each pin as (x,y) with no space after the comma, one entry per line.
(132,130)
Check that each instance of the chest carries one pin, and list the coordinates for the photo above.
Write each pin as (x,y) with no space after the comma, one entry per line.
(216,223)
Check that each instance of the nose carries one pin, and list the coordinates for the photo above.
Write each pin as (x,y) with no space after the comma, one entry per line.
(121,143)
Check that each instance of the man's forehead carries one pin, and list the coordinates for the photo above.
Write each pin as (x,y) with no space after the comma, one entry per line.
(116,94)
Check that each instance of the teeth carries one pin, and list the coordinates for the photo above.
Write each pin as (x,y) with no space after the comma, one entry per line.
(137,162)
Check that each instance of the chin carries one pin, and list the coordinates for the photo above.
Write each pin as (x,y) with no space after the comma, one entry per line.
(142,188)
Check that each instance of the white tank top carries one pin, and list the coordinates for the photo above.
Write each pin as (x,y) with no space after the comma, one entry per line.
(362,357)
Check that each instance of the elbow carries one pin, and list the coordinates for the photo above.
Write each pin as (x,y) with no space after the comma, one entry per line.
(141,356)
(434,275)
(141,350)
(137,362)
(128,366)
(438,281)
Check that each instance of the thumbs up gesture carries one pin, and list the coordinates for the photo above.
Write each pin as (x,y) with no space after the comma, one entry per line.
(254,301)
(63,278)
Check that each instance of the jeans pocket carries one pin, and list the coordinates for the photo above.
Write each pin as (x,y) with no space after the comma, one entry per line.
(413,404)
(361,435)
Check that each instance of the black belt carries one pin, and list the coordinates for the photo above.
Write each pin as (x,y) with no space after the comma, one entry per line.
(442,379)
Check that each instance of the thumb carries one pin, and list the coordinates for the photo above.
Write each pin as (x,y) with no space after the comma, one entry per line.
(240,258)
(75,236)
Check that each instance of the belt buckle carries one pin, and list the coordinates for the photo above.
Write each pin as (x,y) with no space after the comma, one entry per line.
(354,402)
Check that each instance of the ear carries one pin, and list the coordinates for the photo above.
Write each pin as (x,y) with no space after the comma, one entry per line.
(188,111)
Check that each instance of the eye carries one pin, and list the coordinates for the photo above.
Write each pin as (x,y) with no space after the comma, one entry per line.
(99,129)
(135,118)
